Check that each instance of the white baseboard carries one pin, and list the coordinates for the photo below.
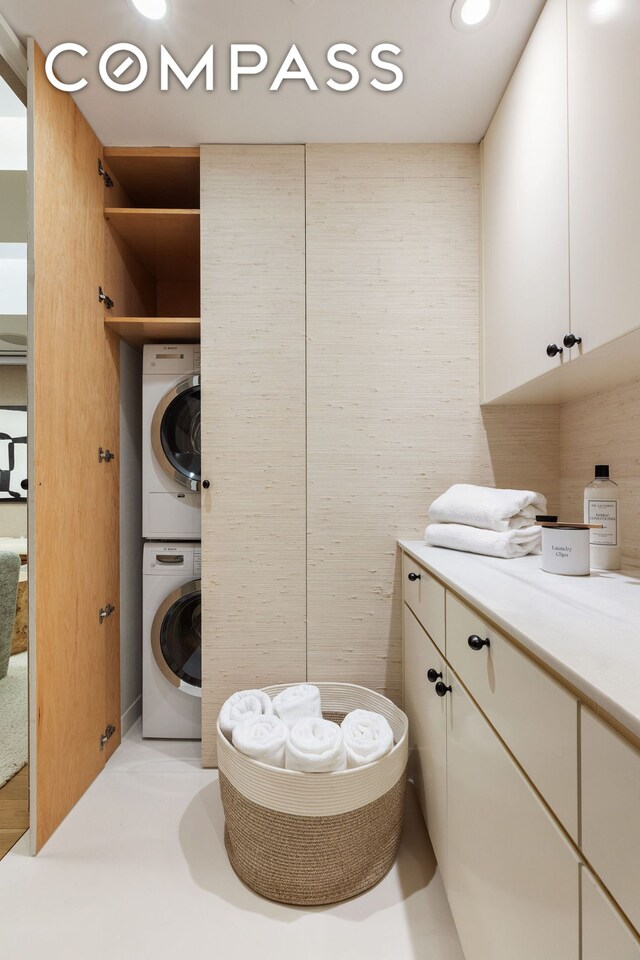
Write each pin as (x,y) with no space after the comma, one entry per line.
(129,717)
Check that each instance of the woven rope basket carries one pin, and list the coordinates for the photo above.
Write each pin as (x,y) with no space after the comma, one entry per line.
(308,839)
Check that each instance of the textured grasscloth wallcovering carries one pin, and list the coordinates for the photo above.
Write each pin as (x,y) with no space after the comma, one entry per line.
(393,416)
(253,422)
(392,401)
(603,428)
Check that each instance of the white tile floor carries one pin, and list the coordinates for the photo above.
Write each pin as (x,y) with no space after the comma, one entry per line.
(138,871)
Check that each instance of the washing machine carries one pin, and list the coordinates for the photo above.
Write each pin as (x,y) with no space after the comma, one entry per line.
(171,642)
(171,442)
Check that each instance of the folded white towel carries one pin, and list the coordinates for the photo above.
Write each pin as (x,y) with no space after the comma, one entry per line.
(367,737)
(245,703)
(487,508)
(316,746)
(508,544)
(262,738)
(296,703)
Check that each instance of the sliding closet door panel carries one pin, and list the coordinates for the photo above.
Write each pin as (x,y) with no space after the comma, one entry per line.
(253,422)
(75,497)
(392,319)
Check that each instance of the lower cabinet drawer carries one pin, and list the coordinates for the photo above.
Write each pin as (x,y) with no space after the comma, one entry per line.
(425,596)
(512,878)
(534,715)
(605,935)
(427,713)
(611,811)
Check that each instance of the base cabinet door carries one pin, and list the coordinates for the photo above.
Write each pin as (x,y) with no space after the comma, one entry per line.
(513,881)
(604,932)
(427,729)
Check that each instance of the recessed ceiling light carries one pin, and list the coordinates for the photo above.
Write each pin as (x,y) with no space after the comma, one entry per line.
(473,14)
(152,9)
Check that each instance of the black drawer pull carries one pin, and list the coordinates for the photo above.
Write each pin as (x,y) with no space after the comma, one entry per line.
(442,689)
(477,643)
(433,675)
(414,576)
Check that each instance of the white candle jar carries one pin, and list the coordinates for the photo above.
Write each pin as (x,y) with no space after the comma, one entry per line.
(566,550)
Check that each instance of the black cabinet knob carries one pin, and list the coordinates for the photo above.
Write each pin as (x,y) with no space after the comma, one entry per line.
(433,675)
(477,643)
(553,350)
(570,340)
(442,689)
(206,484)
(414,576)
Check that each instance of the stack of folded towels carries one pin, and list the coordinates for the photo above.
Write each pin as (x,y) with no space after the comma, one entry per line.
(290,731)
(497,523)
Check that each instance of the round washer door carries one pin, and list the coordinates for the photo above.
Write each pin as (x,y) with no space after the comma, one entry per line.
(176,638)
(175,433)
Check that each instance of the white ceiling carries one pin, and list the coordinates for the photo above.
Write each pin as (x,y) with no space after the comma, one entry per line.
(453,81)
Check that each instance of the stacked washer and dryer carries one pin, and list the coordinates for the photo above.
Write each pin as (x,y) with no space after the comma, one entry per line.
(171,655)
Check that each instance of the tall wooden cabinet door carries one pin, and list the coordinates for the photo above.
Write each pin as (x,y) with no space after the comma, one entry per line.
(513,881)
(604,158)
(604,932)
(427,713)
(74,411)
(253,423)
(525,214)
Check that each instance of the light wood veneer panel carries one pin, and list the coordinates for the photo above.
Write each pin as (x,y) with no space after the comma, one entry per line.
(76,499)
(253,422)
(393,369)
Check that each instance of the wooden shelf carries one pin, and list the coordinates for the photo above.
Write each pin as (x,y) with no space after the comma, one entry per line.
(137,331)
(167,242)
(157,176)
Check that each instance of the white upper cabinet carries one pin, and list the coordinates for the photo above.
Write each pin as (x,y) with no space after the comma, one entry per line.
(525,215)
(561,210)
(604,157)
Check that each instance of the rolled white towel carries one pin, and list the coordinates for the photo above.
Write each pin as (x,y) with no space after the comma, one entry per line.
(245,703)
(509,544)
(262,738)
(296,703)
(315,746)
(487,508)
(367,737)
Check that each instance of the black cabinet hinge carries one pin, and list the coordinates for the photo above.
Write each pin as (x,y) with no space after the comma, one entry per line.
(109,732)
(108,182)
(105,612)
(103,298)
(105,456)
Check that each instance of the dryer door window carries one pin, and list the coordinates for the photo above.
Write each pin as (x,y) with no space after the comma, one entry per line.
(176,638)
(176,433)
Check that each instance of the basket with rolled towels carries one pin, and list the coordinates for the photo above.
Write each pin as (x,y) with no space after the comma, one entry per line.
(292,834)
(496,523)
(291,732)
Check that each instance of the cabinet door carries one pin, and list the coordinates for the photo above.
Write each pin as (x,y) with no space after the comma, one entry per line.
(426,598)
(513,881)
(74,410)
(509,688)
(253,423)
(427,728)
(525,214)
(604,158)
(604,932)
(610,791)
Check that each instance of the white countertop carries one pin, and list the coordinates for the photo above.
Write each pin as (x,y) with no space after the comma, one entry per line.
(586,628)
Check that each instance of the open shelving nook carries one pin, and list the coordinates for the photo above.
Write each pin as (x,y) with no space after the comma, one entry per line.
(152,211)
